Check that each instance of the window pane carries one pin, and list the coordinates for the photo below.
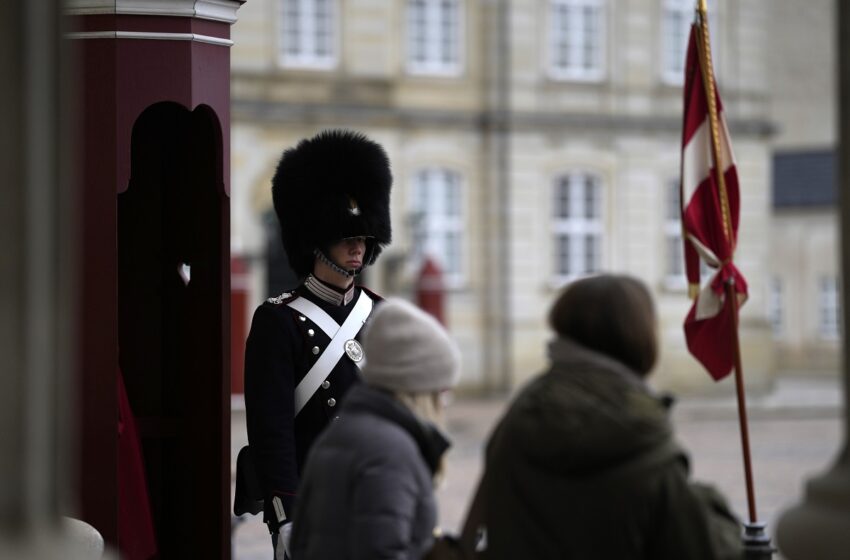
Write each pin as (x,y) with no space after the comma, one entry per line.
(562,198)
(559,34)
(562,255)
(675,257)
(447,31)
(673,207)
(436,206)
(416,30)
(590,198)
(591,254)
(452,253)
(572,36)
(575,37)
(434,34)
(829,307)
(452,196)
(577,224)
(307,32)
(676,20)
(587,37)
(420,196)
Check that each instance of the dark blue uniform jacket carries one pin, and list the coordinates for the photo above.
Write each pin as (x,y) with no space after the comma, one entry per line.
(280,350)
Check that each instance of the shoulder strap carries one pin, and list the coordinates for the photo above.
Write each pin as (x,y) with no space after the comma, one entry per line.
(311,382)
(315,314)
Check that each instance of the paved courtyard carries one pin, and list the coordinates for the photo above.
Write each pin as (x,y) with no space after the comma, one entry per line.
(795,433)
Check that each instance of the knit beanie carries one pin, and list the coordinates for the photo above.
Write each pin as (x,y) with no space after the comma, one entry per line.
(407,350)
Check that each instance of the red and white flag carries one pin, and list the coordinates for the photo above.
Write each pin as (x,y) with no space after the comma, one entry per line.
(710,323)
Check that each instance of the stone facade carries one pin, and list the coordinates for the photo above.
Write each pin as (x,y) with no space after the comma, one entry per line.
(509,126)
(804,237)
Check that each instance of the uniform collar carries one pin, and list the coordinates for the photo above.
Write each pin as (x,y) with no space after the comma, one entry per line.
(328,293)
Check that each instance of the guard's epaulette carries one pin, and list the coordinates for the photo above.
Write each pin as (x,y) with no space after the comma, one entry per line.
(285,297)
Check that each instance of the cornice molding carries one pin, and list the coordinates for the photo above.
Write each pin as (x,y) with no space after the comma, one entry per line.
(214,10)
(268,111)
(151,36)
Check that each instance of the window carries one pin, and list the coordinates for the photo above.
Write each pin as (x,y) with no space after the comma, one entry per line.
(437,208)
(676,19)
(829,308)
(774,304)
(577,226)
(674,250)
(308,33)
(576,42)
(434,31)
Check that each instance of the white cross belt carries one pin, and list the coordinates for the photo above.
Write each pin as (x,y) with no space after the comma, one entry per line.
(339,335)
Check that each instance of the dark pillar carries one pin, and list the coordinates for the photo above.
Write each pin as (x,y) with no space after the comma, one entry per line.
(154,292)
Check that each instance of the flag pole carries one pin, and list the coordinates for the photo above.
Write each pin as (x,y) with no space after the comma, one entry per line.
(704,49)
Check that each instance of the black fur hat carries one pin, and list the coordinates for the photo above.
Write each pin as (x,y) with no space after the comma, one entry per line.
(329,187)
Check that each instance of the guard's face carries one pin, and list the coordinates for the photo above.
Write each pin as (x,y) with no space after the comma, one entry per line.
(348,253)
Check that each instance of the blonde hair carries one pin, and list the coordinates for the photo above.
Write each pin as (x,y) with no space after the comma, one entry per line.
(427,407)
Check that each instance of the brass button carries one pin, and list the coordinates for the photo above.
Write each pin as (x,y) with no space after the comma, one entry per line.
(302,318)
(315,351)
(326,384)
(310,332)
(331,402)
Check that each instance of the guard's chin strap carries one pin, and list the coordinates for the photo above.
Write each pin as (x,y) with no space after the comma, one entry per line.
(335,267)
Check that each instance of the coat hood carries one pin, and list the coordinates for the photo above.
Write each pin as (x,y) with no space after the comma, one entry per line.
(586,415)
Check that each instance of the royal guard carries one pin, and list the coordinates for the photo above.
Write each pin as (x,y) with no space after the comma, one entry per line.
(331,194)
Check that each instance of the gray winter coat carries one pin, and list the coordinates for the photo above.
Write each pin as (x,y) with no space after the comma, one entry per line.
(367,489)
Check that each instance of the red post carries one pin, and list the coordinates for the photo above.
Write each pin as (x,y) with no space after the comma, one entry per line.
(431,291)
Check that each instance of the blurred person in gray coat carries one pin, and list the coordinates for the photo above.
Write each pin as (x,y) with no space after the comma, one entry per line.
(368,485)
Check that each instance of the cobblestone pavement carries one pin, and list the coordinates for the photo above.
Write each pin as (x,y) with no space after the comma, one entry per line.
(795,433)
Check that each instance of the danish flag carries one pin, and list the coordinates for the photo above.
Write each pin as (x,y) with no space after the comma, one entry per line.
(710,232)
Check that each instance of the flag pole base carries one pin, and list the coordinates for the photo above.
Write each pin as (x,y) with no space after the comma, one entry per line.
(756,542)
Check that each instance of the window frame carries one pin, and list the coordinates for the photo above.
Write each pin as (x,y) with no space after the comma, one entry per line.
(576,72)
(676,76)
(434,66)
(674,249)
(775,311)
(829,308)
(434,223)
(576,225)
(685,10)
(303,60)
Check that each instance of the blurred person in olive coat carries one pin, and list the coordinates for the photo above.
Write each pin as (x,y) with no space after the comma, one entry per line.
(584,465)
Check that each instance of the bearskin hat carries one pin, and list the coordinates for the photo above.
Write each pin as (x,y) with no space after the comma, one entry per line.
(329,187)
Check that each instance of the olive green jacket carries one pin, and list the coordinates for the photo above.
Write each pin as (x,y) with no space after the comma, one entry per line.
(583,466)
